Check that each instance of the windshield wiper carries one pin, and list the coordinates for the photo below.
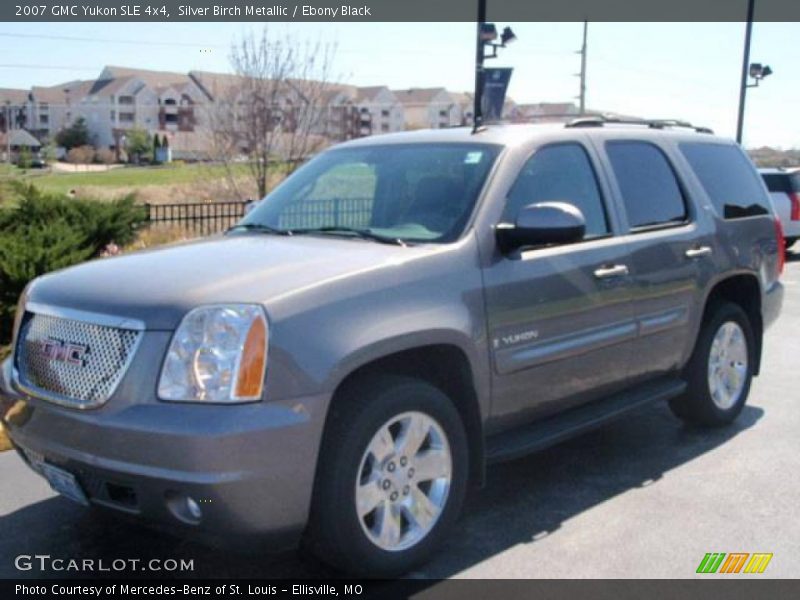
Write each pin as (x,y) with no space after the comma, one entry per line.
(364,234)
(260,227)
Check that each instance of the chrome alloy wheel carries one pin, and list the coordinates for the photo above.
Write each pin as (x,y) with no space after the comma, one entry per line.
(403,481)
(727,365)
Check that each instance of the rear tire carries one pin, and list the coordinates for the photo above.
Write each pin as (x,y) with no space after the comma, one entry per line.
(720,370)
(372,513)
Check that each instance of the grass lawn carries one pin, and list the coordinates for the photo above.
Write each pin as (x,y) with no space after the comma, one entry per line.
(64,181)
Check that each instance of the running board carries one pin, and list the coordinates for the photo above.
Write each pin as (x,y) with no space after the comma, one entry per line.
(553,430)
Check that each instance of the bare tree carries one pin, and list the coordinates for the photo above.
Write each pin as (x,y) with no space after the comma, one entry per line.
(273,112)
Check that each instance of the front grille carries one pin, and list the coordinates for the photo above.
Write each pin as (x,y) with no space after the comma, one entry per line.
(72,362)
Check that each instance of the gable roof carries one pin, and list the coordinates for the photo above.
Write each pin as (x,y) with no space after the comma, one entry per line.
(20,137)
(419,95)
(13,96)
(367,93)
(151,78)
(55,94)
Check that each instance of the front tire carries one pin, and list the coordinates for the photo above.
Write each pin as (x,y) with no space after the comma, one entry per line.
(720,370)
(391,477)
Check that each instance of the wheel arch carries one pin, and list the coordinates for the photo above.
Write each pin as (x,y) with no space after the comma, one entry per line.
(744,290)
(445,366)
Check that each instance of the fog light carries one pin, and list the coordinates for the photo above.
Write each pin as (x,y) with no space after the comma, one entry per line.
(193,507)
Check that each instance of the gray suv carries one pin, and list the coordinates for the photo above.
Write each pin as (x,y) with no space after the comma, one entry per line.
(403,310)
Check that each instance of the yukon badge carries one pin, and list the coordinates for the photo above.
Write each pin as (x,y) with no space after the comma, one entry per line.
(63,351)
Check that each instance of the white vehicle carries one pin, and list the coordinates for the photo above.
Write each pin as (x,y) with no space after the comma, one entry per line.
(784,187)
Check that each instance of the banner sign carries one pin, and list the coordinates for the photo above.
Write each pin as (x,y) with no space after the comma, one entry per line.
(495,85)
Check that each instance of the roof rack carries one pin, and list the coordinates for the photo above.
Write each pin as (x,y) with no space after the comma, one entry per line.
(602,120)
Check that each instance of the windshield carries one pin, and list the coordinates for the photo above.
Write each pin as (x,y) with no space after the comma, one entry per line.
(409,192)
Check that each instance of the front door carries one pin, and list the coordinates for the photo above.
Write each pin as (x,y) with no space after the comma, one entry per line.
(560,320)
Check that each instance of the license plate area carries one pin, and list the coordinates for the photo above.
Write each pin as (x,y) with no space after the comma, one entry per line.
(60,480)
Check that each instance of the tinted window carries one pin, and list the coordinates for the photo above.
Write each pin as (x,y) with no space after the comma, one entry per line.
(416,192)
(562,173)
(728,178)
(649,189)
(782,182)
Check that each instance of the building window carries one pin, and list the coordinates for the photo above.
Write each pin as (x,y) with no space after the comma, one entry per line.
(113,115)
(44,119)
(384,127)
(384,113)
(442,113)
(126,99)
(126,117)
(43,106)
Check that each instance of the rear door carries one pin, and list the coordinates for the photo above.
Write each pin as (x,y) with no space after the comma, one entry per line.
(667,249)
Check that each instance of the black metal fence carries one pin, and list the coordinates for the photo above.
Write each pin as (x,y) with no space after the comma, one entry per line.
(328,212)
(198,218)
(207,218)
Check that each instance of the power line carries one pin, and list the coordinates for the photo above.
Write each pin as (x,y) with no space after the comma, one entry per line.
(70,38)
(66,68)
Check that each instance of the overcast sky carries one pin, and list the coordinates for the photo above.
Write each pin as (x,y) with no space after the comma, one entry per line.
(663,70)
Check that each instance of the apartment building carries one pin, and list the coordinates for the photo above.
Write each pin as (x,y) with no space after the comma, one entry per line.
(182,106)
(432,108)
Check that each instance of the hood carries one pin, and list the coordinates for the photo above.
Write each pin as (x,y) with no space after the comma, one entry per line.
(159,286)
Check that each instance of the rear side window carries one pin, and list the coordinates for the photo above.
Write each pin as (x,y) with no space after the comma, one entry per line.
(561,172)
(782,182)
(728,178)
(650,191)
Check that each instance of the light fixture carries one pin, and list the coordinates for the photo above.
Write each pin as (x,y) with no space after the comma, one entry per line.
(488,32)
(507,36)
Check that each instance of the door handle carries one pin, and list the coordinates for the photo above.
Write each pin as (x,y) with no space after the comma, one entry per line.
(698,251)
(612,271)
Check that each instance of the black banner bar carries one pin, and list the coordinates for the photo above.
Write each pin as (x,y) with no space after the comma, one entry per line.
(395,10)
(710,588)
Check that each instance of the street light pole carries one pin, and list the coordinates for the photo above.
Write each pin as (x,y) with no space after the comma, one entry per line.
(477,110)
(745,69)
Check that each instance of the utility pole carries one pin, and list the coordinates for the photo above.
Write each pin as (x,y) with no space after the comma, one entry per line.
(582,75)
(745,69)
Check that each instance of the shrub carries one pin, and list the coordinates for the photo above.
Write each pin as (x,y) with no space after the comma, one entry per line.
(105,156)
(47,231)
(80,155)
(25,158)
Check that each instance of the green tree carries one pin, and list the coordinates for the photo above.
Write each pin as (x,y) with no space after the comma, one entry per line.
(25,158)
(49,153)
(137,144)
(75,135)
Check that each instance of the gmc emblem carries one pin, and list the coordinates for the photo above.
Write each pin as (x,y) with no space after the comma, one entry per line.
(66,352)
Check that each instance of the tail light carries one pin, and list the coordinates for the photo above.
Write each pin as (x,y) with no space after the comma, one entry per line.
(781,246)
(794,198)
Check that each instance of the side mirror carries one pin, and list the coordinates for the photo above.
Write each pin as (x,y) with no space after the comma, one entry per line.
(540,224)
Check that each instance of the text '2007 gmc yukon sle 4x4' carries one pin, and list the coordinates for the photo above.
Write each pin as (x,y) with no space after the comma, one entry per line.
(404,309)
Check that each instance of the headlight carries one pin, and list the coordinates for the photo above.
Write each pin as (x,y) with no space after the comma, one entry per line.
(217,354)
(19,311)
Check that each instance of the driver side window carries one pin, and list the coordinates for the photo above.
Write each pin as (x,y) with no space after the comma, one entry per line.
(563,173)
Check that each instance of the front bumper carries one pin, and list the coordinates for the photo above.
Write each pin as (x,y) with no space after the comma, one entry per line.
(249,467)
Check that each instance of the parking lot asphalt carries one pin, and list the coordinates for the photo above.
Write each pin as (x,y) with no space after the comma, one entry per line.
(643,497)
